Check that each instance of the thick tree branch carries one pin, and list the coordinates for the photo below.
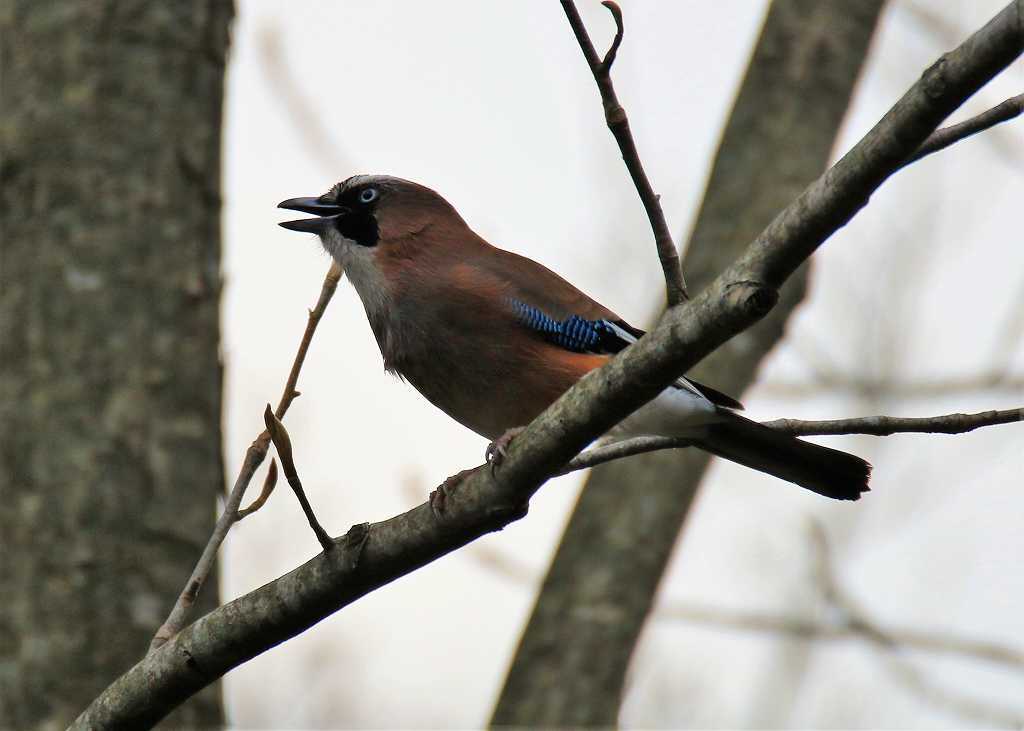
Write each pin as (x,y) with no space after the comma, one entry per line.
(370,556)
(618,123)
(253,458)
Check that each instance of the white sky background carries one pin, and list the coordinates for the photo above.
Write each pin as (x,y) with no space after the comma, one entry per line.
(492,105)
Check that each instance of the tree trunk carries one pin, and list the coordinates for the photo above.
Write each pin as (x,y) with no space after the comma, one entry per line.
(570,666)
(110,380)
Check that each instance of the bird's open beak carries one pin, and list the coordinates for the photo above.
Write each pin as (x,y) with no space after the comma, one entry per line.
(328,213)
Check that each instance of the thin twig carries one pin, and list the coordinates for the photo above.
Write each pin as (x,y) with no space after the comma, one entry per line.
(326,292)
(803,628)
(940,139)
(618,123)
(875,425)
(269,483)
(283,445)
(881,426)
(620,450)
(253,458)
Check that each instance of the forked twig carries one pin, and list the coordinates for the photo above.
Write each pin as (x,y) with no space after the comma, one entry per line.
(618,123)
(254,456)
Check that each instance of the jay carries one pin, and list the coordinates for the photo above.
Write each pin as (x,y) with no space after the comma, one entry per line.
(493,338)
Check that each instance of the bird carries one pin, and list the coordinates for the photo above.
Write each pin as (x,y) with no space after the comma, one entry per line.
(492,338)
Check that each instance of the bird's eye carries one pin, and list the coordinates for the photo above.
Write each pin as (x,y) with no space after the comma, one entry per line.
(368,195)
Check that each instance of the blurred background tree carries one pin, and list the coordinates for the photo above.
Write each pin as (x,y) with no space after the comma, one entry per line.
(570,666)
(110,378)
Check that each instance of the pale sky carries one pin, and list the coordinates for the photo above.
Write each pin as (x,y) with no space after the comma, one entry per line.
(492,105)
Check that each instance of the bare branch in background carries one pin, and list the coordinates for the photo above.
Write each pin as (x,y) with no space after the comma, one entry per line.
(984,712)
(829,626)
(852,615)
(877,388)
(827,377)
(618,123)
(287,87)
(253,458)
(843,628)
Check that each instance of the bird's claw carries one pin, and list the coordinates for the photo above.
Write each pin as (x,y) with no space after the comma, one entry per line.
(498,449)
(439,497)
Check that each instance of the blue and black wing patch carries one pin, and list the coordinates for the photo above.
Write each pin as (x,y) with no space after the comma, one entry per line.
(575,333)
(603,337)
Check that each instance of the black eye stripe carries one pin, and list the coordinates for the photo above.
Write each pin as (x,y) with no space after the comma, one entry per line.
(360,226)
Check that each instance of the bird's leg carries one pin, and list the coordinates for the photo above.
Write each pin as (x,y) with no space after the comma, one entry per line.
(439,497)
(498,449)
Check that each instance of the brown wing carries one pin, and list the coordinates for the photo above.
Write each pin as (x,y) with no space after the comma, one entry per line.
(539,286)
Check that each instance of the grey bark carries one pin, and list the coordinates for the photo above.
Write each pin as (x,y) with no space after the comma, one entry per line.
(571,663)
(110,380)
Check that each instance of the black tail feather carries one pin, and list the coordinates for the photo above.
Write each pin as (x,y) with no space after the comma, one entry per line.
(825,471)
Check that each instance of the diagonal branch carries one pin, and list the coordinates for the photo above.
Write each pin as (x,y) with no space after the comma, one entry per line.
(370,556)
(618,123)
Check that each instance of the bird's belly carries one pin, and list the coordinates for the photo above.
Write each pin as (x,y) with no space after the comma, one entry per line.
(490,392)
(495,391)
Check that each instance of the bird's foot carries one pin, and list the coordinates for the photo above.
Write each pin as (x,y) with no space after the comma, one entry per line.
(498,449)
(439,497)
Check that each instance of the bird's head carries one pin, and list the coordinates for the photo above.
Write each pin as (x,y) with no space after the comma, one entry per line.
(367,213)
